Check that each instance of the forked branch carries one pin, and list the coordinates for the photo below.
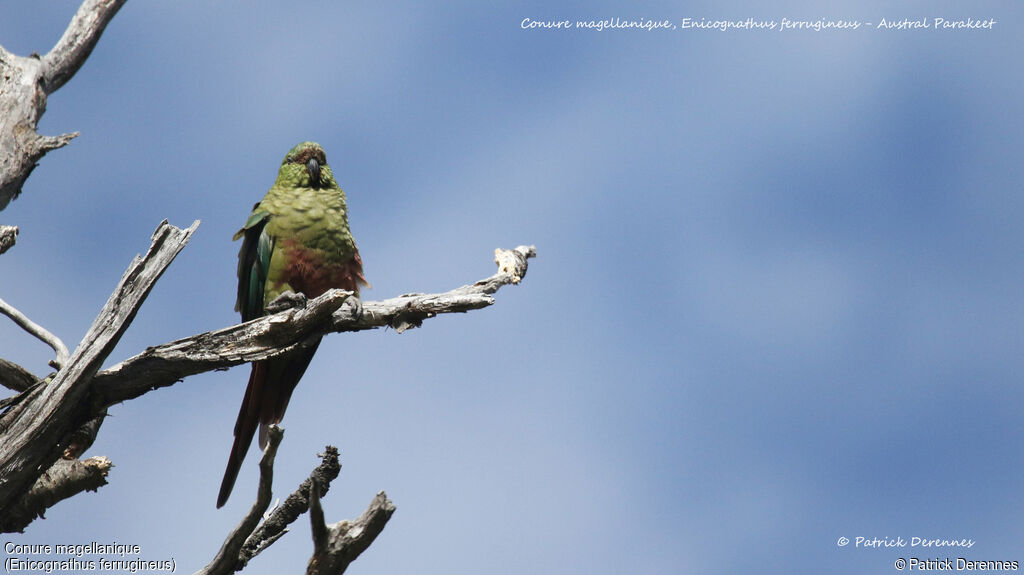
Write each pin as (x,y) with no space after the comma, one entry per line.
(335,546)
(26,81)
(226,560)
(35,433)
(276,524)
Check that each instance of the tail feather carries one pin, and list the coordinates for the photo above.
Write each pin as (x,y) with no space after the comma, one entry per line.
(271,383)
(245,427)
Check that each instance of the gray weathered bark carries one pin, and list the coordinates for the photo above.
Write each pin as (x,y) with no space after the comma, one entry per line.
(26,81)
(8,237)
(46,421)
(13,376)
(33,433)
(335,546)
(272,335)
(276,524)
(64,479)
(227,558)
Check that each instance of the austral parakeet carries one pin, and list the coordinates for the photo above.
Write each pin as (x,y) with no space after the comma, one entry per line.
(296,239)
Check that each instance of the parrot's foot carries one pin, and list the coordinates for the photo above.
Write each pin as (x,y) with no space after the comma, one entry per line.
(357,307)
(287,300)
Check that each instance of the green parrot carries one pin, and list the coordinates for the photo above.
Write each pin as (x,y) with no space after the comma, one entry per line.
(296,239)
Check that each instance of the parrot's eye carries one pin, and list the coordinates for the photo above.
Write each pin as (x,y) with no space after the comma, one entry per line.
(290,159)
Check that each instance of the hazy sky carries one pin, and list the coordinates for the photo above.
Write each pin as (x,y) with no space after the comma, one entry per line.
(776,303)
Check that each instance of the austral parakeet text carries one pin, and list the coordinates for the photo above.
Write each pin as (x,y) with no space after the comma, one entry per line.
(296,239)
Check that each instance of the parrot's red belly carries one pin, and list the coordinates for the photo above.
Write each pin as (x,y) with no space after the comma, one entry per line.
(312,273)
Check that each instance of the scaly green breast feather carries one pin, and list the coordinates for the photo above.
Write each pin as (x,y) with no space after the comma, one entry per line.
(306,243)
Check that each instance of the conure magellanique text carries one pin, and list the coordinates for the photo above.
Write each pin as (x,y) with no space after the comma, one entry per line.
(296,239)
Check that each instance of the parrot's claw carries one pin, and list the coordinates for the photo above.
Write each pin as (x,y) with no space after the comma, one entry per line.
(357,307)
(287,300)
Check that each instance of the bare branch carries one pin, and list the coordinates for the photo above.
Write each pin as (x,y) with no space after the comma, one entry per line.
(318,525)
(226,560)
(276,525)
(30,439)
(255,340)
(513,263)
(273,335)
(22,103)
(25,83)
(40,422)
(335,546)
(64,479)
(340,544)
(39,332)
(8,236)
(13,376)
(81,36)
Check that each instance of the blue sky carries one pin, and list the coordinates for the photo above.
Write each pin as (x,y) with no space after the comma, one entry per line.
(776,301)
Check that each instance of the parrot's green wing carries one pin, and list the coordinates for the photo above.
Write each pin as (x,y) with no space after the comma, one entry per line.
(253,263)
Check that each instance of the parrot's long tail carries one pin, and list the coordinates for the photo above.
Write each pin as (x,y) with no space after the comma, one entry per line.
(271,383)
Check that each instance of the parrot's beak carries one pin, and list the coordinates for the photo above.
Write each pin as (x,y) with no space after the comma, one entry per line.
(313,169)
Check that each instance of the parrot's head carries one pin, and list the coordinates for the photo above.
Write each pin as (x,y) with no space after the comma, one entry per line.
(305,166)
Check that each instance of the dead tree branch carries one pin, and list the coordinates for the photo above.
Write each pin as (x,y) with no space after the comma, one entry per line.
(276,525)
(33,437)
(15,377)
(39,332)
(272,335)
(26,81)
(335,546)
(40,425)
(227,558)
(81,36)
(65,479)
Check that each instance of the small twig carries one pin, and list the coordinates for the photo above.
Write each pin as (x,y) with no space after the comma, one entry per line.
(338,545)
(226,560)
(276,525)
(39,332)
